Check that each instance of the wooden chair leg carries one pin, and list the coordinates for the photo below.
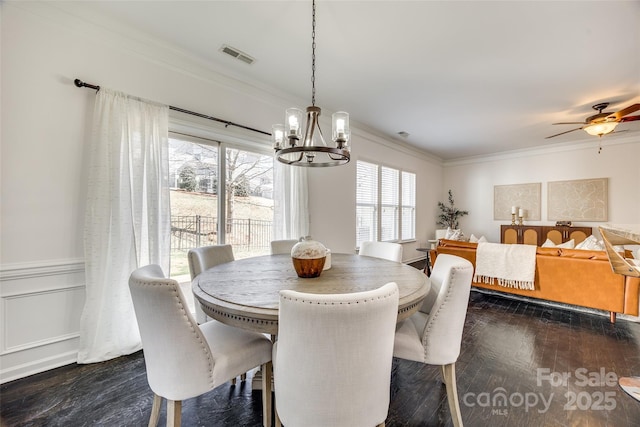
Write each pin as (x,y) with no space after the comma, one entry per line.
(612,316)
(174,413)
(452,393)
(278,422)
(243,377)
(155,410)
(267,402)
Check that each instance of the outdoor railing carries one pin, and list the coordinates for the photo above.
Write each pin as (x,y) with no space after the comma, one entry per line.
(194,231)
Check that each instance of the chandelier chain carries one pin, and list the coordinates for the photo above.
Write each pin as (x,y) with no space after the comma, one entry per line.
(313,54)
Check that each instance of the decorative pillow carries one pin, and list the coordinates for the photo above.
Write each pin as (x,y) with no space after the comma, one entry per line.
(591,243)
(474,239)
(567,245)
(454,234)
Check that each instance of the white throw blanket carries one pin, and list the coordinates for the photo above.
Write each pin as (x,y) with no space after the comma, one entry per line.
(513,266)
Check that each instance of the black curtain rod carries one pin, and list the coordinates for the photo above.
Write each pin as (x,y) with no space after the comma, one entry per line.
(80,83)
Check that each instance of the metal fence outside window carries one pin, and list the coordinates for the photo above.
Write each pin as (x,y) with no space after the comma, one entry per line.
(194,231)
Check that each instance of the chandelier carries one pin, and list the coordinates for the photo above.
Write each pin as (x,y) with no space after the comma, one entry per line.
(309,148)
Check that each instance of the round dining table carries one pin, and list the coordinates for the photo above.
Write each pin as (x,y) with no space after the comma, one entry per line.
(245,292)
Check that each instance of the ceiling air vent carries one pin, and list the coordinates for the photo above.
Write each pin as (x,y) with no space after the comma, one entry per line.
(238,54)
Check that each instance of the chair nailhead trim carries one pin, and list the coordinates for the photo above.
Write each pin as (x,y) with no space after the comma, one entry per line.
(340,302)
(204,346)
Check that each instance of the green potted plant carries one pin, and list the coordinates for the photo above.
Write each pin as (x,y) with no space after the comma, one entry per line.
(449,215)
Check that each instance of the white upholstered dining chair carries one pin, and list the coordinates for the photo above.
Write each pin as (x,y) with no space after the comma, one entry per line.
(332,360)
(282,246)
(203,258)
(184,359)
(384,250)
(433,335)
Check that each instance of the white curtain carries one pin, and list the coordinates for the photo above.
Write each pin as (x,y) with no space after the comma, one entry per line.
(127,222)
(291,206)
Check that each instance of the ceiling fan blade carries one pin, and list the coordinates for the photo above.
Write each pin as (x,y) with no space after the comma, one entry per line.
(630,119)
(562,133)
(570,123)
(620,114)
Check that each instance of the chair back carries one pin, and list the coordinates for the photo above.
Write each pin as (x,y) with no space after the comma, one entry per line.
(206,257)
(450,286)
(384,250)
(178,360)
(282,246)
(332,360)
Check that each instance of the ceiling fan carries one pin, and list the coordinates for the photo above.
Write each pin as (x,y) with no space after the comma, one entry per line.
(602,123)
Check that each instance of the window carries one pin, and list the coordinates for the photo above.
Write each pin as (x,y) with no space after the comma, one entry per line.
(408,216)
(385,203)
(389,198)
(219,194)
(366,202)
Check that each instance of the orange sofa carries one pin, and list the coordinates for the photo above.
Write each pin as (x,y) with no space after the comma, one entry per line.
(570,276)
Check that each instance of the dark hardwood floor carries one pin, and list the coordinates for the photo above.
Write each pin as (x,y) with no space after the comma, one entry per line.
(510,373)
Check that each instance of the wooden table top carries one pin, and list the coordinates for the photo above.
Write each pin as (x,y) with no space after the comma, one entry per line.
(245,292)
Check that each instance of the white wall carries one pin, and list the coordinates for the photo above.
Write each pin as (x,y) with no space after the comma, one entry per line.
(44,128)
(472,181)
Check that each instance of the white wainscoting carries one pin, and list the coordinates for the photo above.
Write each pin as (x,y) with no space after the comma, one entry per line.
(40,308)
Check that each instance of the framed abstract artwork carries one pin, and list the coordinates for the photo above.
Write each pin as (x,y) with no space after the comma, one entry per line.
(522,196)
(578,200)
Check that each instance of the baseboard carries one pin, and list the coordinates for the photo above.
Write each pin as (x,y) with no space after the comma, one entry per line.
(35,367)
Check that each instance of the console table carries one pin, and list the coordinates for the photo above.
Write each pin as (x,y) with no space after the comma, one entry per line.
(538,234)
(521,234)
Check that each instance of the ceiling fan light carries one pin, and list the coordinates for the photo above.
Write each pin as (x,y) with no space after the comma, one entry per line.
(599,129)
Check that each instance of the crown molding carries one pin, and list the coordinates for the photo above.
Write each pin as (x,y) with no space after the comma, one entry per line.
(584,144)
